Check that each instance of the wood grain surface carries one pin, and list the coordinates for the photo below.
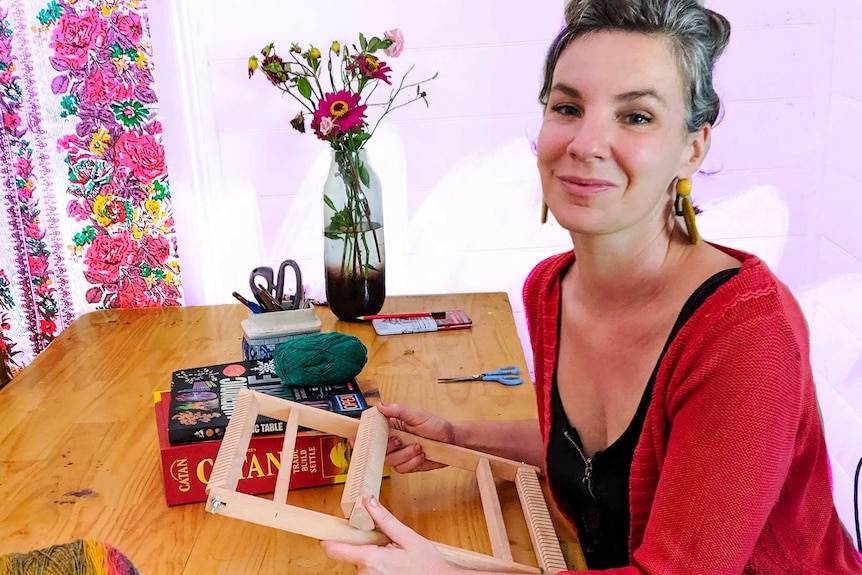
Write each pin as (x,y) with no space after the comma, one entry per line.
(79,452)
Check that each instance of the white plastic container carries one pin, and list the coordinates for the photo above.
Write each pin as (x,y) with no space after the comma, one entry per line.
(262,332)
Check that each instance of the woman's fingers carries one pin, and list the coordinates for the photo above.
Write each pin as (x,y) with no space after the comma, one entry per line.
(408,553)
(349,553)
(388,524)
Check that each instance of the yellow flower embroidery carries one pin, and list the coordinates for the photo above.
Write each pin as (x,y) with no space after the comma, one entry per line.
(153,207)
(99,205)
(99,142)
(142,61)
(109,6)
(122,63)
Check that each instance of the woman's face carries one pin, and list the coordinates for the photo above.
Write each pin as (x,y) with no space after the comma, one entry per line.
(613,137)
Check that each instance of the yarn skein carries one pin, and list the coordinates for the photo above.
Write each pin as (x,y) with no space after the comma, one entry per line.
(319,359)
(75,558)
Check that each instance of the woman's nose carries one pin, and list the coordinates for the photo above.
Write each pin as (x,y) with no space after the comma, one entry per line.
(590,137)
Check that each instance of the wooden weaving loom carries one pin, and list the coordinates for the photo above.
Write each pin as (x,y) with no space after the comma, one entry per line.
(364,478)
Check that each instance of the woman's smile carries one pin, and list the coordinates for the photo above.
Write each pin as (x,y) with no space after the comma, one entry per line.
(580,186)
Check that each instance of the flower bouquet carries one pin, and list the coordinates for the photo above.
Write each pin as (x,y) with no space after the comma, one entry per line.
(337,93)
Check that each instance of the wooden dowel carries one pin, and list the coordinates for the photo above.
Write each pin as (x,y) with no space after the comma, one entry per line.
(461,457)
(310,417)
(493,512)
(282,482)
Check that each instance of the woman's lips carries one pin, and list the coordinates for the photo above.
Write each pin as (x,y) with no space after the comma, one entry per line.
(584,186)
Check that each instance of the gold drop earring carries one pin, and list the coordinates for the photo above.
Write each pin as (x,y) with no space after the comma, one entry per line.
(684,208)
(544,212)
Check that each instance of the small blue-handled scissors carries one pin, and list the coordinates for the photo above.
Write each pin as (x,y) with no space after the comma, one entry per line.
(507,375)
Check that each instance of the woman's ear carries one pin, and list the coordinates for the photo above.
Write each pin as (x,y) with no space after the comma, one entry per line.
(695,151)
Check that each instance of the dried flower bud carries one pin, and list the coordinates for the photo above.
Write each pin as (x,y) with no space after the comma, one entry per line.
(336,47)
(295,48)
(267,49)
(275,68)
(298,123)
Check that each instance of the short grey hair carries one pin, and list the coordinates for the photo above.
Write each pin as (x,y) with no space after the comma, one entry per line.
(696,34)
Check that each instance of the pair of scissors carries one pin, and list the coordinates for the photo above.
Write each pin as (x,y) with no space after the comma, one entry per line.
(265,279)
(507,375)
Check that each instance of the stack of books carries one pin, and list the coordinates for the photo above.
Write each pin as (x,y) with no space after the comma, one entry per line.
(192,417)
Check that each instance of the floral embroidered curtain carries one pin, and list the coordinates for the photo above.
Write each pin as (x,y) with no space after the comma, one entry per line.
(86,220)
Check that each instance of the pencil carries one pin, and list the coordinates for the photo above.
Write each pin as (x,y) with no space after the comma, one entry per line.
(402,315)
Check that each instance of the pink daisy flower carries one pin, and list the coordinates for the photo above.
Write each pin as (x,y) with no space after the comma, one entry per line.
(343,109)
(371,67)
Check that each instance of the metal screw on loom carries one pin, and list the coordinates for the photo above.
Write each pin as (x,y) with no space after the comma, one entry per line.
(216,504)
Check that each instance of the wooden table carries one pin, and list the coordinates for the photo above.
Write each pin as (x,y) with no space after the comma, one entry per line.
(79,453)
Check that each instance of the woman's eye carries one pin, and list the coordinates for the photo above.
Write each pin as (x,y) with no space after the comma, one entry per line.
(638,119)
(566,110)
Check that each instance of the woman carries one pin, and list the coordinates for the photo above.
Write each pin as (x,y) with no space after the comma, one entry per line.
(678,424)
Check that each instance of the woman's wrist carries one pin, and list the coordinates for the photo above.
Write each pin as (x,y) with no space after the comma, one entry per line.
(456,433)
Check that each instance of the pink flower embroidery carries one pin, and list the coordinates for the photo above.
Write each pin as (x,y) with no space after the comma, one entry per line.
(11,120)
(38,266)
(102,89)
(75,36)
(158,247)
(133,293)
(142,154)
(107,256)
(394,50)
(47,327)
(130,27)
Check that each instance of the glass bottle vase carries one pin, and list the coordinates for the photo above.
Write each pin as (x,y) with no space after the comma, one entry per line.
(354,255)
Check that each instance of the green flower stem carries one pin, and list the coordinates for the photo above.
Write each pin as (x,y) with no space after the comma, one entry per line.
(401,86)
(329,68)
(305,105)
(310,73)
(359,212)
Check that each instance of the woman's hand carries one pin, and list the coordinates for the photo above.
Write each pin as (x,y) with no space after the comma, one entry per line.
(406,554)
(411,457)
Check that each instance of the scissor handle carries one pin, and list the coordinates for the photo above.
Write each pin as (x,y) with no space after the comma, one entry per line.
(265,273)
(505,379)
(298,297)
(506,370)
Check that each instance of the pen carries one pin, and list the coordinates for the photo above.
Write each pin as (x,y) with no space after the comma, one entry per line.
(250,305)
(434,314)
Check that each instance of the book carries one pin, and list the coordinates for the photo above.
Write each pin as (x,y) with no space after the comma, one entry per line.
(437,321)
(318,459)
(202,398)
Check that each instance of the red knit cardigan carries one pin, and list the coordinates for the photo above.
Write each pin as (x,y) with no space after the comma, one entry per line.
(730,475)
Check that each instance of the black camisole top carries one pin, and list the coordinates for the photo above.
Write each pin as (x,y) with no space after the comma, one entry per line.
(595,491)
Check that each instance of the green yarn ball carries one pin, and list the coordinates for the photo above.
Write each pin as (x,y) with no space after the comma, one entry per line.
(319,359)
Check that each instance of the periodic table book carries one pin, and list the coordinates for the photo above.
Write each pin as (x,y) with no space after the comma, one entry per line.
(202,398)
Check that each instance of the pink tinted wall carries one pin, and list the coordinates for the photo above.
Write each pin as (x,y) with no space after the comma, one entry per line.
(833,297)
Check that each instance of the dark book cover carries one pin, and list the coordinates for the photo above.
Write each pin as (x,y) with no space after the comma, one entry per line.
(202,398)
